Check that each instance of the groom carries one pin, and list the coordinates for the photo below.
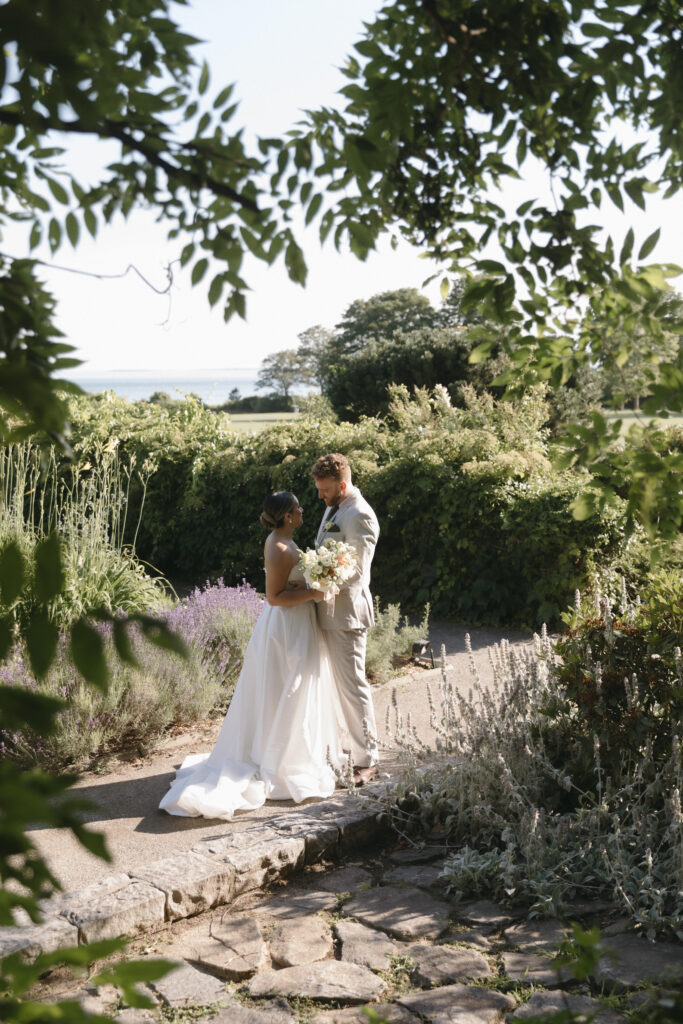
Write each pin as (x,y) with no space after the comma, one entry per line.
(349,518)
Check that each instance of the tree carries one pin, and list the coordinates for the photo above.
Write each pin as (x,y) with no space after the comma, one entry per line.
(381,317)
(315,354)
(632,355)
(446,103)
(126,79)
(280,372)
(359,383)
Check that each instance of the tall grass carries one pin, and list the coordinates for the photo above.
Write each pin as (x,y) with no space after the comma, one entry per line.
(87,506)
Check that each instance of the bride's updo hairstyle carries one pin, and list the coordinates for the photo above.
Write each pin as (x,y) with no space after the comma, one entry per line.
(275,508)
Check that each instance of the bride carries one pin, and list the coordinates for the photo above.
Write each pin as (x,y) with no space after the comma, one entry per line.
(284,715)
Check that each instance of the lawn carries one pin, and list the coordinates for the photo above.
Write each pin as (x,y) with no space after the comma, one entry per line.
(629,417)
(255,422)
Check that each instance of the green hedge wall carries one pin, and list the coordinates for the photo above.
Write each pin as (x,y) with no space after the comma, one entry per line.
(472,517)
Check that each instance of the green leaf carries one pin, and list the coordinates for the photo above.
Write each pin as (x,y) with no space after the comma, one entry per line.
(54,234)
(199,269)
(615,195)
(649,244)
(36,235)
(444,288)
(12,572)
(594,29)
(476,292)
(627,247)
(203,79)
(49,575)
(41,636)
(490,267)
(223,96)
(72,229)
(216,289)
(634,190)
(482,351)
(313,207)
(158,633)
(187,254)
(87,651)
(90,221)
(58,191)
(21,707)
(583,506)
(124,648)
(6,635)
(128,975)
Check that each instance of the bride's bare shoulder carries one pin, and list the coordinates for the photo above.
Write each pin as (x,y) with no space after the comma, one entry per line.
(277,552)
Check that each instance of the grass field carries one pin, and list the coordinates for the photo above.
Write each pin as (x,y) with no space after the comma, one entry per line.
(255,422)
(629,417)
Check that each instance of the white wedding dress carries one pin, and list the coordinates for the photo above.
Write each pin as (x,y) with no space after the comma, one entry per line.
(282,719)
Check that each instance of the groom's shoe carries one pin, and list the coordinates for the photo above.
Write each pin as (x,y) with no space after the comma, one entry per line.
(361,776)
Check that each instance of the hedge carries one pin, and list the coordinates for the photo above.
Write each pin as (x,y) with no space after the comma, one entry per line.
(473,519)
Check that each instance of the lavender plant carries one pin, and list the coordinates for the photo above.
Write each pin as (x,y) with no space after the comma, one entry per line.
(527,828)
(142,700)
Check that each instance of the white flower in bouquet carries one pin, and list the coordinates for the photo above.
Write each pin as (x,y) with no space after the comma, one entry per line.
(327,567)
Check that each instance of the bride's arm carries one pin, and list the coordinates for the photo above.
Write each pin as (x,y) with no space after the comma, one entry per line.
(279,563)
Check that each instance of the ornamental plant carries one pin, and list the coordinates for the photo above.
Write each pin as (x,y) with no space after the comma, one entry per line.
(145,696)
(618,680)
(531,819)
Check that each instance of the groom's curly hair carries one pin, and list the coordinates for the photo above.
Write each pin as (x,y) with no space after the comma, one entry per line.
(334,465)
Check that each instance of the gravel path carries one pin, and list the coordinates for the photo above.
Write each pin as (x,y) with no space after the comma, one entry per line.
(126,795)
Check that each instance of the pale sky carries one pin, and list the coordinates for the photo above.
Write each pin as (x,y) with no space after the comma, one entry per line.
(283,57)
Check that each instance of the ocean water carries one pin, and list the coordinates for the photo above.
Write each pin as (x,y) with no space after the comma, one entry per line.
(212,386)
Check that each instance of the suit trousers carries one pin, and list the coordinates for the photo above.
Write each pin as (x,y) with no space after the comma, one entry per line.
(346,648)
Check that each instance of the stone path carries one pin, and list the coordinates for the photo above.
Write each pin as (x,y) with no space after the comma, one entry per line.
(266,928)
(334,940)
(127,796)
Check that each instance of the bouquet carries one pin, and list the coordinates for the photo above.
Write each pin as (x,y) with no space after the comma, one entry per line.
(327,567)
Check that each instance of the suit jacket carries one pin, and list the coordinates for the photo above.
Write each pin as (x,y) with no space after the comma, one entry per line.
(357,526)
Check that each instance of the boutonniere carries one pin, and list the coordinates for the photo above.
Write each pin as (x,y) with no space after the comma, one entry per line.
(332,527)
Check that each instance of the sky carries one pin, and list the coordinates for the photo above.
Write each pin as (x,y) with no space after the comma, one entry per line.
(283,58)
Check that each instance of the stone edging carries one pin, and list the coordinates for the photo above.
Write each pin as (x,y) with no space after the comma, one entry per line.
(213,872)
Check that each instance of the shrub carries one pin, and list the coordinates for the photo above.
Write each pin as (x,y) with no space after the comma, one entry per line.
(472,518)
(390,638)
(619,679)
(531,823)
(141,701)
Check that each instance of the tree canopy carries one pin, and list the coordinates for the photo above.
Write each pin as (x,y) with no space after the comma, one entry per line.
(381,316)
(124,76)
(281,371)
(448,103)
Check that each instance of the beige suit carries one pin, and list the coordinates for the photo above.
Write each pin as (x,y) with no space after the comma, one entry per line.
(345,627)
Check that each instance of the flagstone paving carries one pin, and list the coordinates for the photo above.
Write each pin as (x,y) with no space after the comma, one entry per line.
(292,916)
(308,954)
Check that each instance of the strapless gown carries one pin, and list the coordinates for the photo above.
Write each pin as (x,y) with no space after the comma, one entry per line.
(282,719)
